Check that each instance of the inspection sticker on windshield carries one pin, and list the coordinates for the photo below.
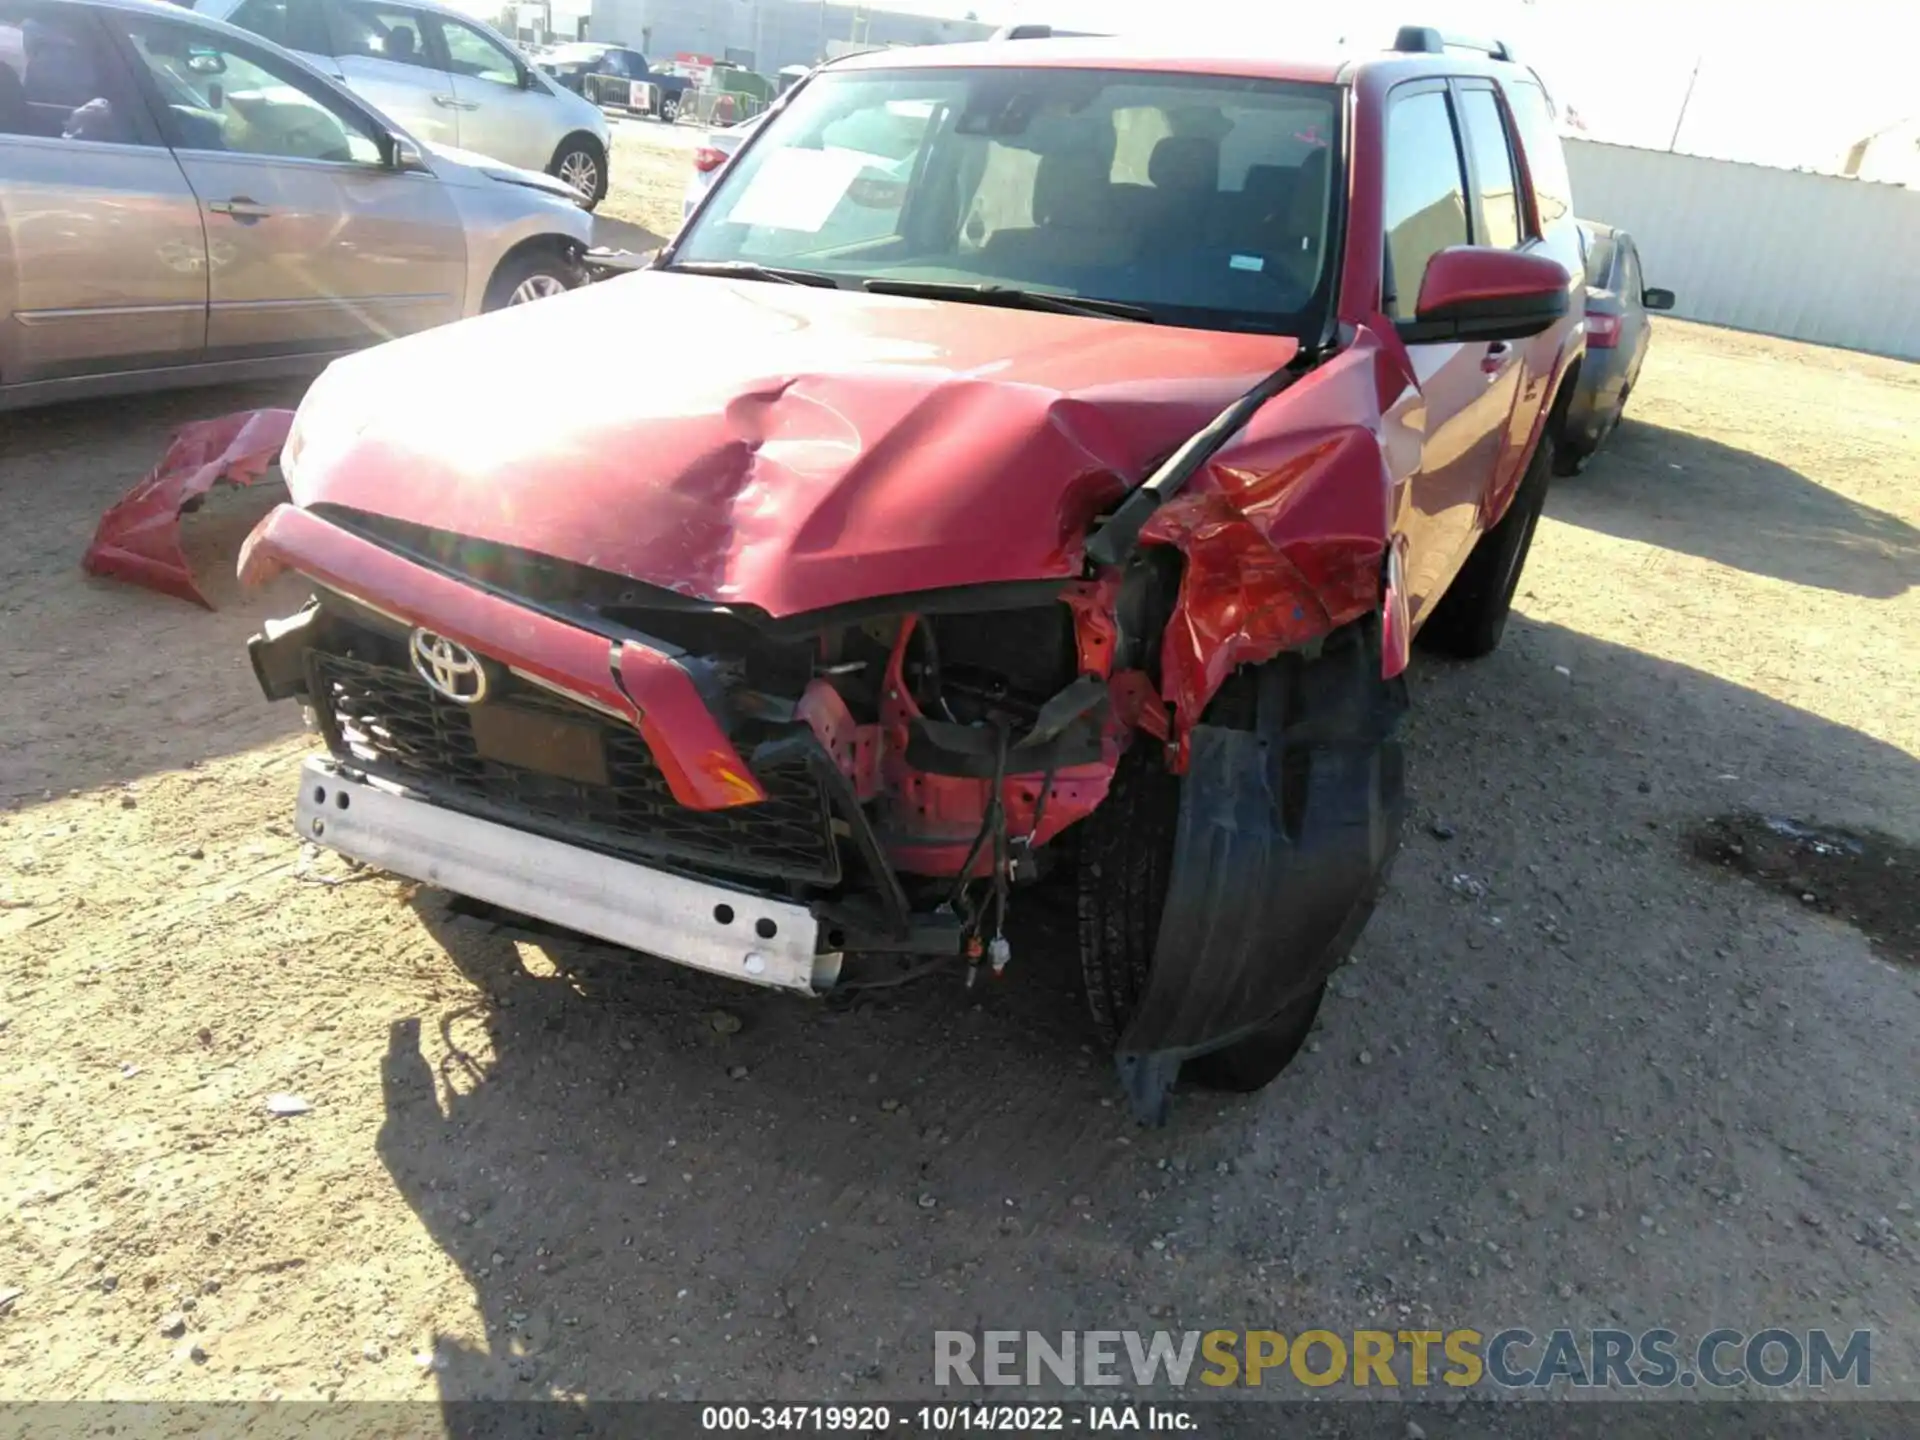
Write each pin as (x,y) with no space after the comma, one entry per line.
(797,189)
(1247,262)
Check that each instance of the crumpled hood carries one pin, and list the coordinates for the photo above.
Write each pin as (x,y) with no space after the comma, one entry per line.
(779,446)
(498,171)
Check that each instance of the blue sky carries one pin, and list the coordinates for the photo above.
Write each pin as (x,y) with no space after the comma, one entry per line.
(1787,84)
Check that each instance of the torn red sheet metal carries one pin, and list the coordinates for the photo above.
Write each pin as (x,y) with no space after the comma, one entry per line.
(139,539)
(1284,535)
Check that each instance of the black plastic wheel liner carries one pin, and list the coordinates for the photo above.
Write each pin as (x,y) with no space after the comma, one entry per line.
(1284,831)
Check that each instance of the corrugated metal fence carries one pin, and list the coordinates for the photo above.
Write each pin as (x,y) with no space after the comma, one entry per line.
(1809,257)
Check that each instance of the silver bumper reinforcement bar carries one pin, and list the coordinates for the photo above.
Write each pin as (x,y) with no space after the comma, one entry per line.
(710,927)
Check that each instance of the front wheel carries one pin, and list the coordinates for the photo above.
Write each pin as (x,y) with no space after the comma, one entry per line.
(582,164)
(670,111)
(531,275)
(1315,852)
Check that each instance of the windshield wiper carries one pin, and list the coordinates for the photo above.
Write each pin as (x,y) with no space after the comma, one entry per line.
(748,270)
(987,293)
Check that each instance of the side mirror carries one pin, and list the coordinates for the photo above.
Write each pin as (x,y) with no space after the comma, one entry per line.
(1657,299)
(403,154)
(1472,293)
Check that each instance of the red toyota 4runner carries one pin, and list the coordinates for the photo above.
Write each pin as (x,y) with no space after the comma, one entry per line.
(1066,443)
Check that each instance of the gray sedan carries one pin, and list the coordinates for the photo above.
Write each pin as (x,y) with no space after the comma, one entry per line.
(446,76)
(1618,333)
(184,203)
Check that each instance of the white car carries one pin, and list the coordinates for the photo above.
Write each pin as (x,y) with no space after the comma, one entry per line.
(449,79)
(887,142)
(711,158)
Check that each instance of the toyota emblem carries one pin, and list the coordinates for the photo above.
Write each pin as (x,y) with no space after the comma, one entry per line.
(452,670)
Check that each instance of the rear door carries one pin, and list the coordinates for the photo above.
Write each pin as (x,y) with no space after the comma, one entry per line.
(1500,221)
(387,58)
(498,116)
(314,244)
(1461,406)
(103,263)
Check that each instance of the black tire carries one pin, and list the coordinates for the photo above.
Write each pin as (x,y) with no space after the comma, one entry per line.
(1570,458)
(537,268)
(1471,617)
(1126,861)
(670,112)
(582,163)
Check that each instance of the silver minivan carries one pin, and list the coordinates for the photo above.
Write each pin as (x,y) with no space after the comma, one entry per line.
(444,75)
(182,203)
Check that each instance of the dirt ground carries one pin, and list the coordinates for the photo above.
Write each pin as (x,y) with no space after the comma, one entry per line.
(1573,1076)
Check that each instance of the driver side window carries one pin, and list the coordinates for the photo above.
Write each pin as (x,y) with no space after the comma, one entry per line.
(57,82)
(382,32)
(1426,194)
(219,96)
(473,54)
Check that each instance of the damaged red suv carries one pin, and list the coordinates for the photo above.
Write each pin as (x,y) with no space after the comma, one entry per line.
(1067,445)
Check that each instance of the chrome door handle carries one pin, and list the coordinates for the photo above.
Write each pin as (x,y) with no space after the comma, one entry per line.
(240,208)
(449,102)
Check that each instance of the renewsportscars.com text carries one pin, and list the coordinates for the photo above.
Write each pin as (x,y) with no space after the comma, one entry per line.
(1511,1359)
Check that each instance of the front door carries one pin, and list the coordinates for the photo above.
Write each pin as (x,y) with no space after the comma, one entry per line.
(103,265)
(1501,222)
(314,244)
(498,116)
(1462,391)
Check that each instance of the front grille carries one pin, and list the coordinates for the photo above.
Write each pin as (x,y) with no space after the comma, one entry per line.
(388,721)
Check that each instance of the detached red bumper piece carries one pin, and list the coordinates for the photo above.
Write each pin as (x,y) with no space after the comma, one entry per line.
(139,538)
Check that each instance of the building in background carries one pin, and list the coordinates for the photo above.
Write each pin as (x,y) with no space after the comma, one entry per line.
(1890,154)
(764,35)
(1754,247)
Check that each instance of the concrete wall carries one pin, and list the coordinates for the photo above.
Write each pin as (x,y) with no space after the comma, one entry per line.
(1781,252)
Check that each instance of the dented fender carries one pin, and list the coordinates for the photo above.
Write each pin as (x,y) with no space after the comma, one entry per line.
(1285,533)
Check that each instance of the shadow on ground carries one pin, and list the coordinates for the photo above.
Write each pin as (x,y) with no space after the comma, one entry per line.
(1701,497)
(648,1205)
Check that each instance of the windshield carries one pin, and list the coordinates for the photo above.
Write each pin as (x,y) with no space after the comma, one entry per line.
(1203,200)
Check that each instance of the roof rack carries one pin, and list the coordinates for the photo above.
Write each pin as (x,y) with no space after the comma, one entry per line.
(1044,32)
(1426,40)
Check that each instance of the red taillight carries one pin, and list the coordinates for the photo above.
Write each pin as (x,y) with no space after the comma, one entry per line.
(1603,331)
(707,159)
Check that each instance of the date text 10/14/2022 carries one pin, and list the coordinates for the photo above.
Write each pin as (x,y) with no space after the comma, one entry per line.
(947,1419)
